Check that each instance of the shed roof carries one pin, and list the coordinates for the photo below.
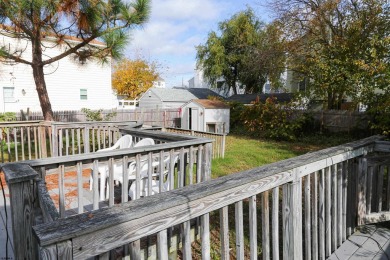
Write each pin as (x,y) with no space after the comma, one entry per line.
(211,104)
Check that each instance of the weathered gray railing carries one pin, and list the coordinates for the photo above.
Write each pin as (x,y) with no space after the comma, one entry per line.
(24,140)
(318,196)
(77,138)
(218,144)
(29,140)
(29,195)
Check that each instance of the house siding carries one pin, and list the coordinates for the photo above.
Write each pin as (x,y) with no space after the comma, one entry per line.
(64,79)
(218,116)
(150,100)
(206,116)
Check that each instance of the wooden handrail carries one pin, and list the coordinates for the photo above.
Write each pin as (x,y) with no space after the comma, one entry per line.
(86,233)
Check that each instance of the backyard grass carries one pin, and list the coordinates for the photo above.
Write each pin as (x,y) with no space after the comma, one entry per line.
(244,153)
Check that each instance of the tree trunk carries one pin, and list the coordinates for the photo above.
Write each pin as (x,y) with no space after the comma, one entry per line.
(234,87)
(331,100)
(39,78)
(40,84)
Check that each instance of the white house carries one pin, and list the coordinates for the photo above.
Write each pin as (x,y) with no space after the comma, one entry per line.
(289,80)
(159,83)
(71,85)
(199,81)
(206,115)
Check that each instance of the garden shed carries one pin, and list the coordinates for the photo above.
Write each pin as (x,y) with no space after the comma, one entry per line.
(206,115)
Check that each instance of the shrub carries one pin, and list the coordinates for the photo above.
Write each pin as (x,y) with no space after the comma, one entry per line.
(379,113)
(7,116)
(236,122)
(97,115)
(275,120)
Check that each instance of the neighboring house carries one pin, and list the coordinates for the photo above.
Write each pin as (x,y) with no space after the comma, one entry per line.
(161,98)
(206,115)
(289,79)
(198,81)
(248,99)
(159,83)
(127,104)
(71,84)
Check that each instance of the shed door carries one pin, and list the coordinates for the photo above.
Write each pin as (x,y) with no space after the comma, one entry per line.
(193,119)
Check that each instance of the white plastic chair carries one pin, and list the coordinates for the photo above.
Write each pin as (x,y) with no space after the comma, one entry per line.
(166,186)
(145,142)
(118,168)
(122,143)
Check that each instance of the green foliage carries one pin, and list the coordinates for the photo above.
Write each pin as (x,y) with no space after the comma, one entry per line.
(341,46)
(97,115)
(91,22)
(236,122)
(379,113)
(274,120)
(244,51)
(7,116)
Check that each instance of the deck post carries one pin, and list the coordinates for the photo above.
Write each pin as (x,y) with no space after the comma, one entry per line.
(206,163)
(362,191)
(42,138)
(19,178)
(292,220)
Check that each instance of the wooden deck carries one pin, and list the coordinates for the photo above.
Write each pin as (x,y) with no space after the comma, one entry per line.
(6,246)
(368,242)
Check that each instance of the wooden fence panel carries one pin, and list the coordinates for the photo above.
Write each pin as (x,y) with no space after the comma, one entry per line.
(152,117)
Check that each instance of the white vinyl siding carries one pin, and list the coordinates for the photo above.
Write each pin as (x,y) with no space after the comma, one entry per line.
(63,79)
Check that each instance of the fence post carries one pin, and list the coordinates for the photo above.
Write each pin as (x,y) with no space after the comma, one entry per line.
(292,220)
(223,145)
(19,178)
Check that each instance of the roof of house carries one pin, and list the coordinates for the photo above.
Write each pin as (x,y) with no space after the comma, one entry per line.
(182,94)
(249,98)
(211,104)
(172,94)
(203,93)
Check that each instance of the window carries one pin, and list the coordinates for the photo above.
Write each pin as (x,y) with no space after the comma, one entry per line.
(211,128)
(220,84)
(83,94)
(9,94)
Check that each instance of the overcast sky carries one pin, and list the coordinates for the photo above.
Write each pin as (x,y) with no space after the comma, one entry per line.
(176,27)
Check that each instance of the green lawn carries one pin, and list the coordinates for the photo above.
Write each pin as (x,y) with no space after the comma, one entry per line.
(243,153)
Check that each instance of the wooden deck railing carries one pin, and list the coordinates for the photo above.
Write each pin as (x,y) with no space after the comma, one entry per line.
(218,144)
(304,207)
(61,183)
(24,140)
(29,140)
(77,138)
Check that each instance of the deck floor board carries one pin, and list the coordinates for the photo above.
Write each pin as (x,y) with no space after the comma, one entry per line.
(368,242)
